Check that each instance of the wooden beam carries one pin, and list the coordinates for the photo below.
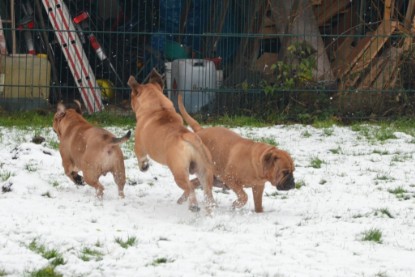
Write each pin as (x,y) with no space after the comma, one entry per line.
(409,14)
(367,48)
(329,9)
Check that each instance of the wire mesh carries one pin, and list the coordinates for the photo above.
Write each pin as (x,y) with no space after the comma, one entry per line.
(265,58)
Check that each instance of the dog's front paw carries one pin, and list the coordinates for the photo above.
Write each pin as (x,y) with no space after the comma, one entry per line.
(144,166)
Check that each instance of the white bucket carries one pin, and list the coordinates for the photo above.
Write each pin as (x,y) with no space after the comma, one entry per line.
(193,77)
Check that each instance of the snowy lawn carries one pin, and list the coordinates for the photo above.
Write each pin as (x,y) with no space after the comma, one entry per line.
(352,213)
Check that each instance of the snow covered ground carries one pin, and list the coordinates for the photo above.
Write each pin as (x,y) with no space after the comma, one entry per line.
(351,182)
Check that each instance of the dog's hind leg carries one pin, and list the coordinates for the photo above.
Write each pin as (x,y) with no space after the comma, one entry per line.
(94,182)
(141,156)
(182,180)
(70,170)
(119,178)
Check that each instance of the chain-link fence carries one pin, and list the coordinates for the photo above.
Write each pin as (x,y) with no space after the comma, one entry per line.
(237,57)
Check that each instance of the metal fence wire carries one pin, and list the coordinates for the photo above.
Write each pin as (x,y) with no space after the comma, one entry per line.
(262,58)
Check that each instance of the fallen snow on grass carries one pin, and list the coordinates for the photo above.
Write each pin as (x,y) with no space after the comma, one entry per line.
(349,185)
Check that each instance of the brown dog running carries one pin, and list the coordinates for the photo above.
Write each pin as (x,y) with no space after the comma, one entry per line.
(89,149)
(240,162)
(161,134)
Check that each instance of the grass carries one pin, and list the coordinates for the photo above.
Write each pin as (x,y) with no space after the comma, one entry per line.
(374,235)
(88,254)
(3,272)
(54,144)
(30,167)
(328,132)
(306,134)
(48,271)
(47,194)
(337,150)
(268,140)
(384,211)
(380,152)
(5,175)
(52,255)
(400,193)
(384,177)
(130,241)
(160,261)
(299,184)
(316,162)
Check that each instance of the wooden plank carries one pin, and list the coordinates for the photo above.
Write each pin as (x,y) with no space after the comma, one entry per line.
(367,48)
(375,70)
(382,34)
(409,14)
(388,72)
(330,9)
(387,13)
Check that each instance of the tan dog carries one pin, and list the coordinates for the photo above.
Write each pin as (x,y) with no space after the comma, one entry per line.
(160,134)
(89,149)
(240,162)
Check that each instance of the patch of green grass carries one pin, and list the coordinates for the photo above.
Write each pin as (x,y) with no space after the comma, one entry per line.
(299,184)
(54,144)
(3,272)
(384,211)
(37,119)
(401,158)
(47,194)
(160,261)
(337,150)
(397,190)
(316,162)
(268,140)
(325,124)
(237,121)
(385,133)
(384,177)
(5,175)
(322,182)
(55,258)
(306,134)
(374,235)
(88,254)
(31,167)
(48,271)
(55,184)
(130,241)
(400,193)
(328,132)
(380,152)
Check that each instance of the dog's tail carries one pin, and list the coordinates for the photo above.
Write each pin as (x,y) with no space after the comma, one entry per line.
(189,120)
(121,139)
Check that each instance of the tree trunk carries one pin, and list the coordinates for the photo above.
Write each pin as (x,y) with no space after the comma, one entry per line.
(296,17)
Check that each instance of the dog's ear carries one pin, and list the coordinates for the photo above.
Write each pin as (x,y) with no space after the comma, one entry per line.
(133,84)
(60,109)
(78,107)
(156,78)
(268,161)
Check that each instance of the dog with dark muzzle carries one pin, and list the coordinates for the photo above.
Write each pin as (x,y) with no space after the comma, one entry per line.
(240,162)
(92,150)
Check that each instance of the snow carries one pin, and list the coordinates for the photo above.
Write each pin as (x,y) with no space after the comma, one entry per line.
(315,230)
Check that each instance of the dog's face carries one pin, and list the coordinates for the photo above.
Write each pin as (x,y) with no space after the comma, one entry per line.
(279,168)
(137,89)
